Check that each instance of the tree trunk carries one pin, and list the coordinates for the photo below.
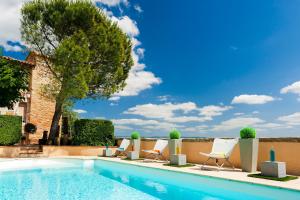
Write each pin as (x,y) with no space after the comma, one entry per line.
(55,122)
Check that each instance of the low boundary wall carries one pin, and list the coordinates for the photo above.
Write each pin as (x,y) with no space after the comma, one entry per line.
(287,150)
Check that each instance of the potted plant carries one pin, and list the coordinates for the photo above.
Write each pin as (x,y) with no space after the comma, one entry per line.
(175,142)
(29,129)
(248,149)
(135,141)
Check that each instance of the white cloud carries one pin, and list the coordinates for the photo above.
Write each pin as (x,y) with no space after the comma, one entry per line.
(293,88)
(140,52)
(112,2)
(146,124)
(267,126)
(138,79)
(238,114)
(80,111)
(163,98)
(211,110)
(252,99)
(184,119)
(10,23)
(166,110)
(293,119)
(138,8)
(114,98)
(122,127)
(255,112)
(237,123)
(137,82)
(199,128)
(128,25)
(169,112)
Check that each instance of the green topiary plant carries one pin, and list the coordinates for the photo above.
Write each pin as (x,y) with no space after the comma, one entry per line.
(247,132)
(175,134)
(135,135)
(30,128)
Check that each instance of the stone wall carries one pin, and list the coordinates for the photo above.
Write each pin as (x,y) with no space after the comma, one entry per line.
(41,109)
(56,151)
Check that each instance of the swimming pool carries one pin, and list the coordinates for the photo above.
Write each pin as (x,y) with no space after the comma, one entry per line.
(97,179)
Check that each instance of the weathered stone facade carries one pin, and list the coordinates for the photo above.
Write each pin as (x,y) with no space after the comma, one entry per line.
(37,108)
(41,109)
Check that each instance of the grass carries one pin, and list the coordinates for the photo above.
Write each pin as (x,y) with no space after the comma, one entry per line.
(186,165)
(284,179)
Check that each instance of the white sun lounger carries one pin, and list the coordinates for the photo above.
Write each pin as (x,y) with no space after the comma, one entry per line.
(158,150)
(222,149)
(122,148)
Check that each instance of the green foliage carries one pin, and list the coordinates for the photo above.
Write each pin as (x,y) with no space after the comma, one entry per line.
(283,179)
(90,55)
(10,129)
(93,132)
(13,82)
(87,53)
(247,132)
(30,128)
(135,135)
(175,134)
(69,118)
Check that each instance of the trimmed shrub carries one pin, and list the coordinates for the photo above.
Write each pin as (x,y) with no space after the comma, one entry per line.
(175,134)
(30,128)
(93,132)
(247,132)
(10,129)
(135,135)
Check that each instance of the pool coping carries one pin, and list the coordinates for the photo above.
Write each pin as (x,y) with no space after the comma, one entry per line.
(195,170)
(237,175)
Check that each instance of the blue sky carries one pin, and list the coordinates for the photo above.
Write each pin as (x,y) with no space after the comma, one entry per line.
(207,68)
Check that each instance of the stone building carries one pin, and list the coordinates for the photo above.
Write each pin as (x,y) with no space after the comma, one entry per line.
(36,108)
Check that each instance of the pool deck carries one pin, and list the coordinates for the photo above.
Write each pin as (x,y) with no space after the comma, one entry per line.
(229,174)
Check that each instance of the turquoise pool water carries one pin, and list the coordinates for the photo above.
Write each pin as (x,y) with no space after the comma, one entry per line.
(88,180)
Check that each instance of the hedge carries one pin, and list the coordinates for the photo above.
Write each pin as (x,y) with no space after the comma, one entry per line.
(93,132)
(10,129)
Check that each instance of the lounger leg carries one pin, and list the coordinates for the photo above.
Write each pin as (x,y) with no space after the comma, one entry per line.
(116,153)
(230,163)
(216,162)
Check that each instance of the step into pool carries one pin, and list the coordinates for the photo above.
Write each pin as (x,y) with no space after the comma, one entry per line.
(75,179)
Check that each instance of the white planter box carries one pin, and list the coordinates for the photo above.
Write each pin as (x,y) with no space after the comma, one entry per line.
(274,169)
(249,154)
(133,155)
(136,144)
(178,159)
(107,152)
(173,145)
